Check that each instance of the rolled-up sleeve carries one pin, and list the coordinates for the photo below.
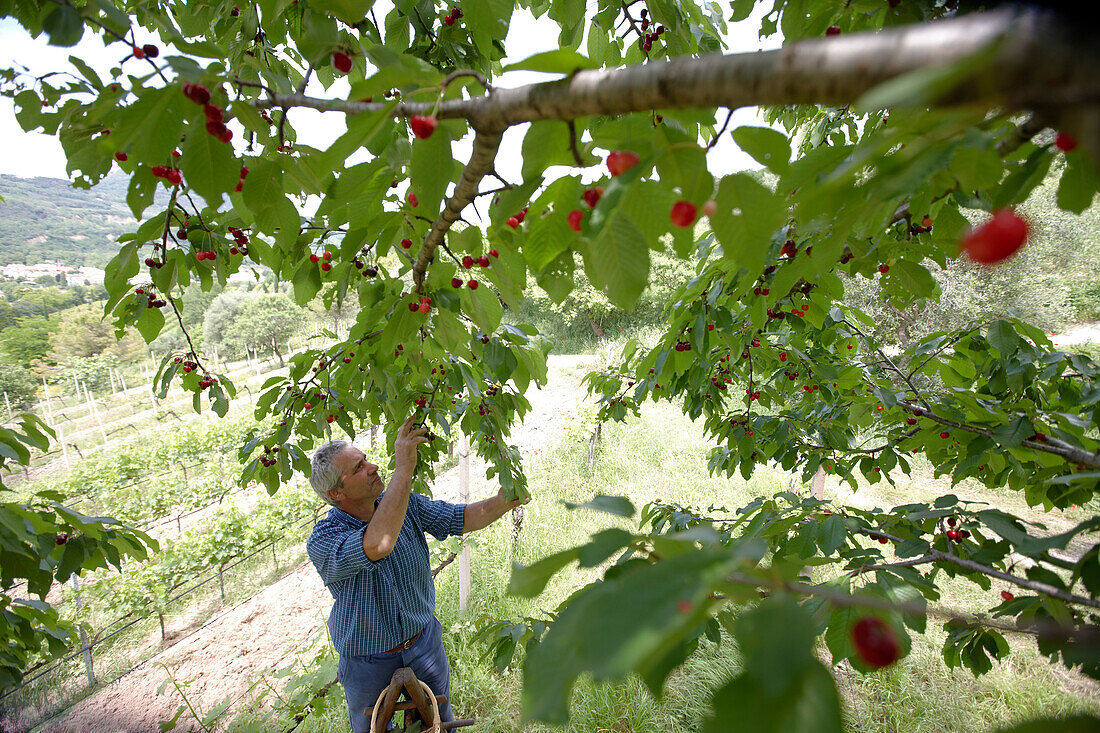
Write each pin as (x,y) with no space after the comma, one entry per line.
(337,552)
(440,519)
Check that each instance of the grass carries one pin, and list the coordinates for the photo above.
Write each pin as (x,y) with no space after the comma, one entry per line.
(664,456)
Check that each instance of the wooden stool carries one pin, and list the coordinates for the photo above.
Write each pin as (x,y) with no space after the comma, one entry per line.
(421,703)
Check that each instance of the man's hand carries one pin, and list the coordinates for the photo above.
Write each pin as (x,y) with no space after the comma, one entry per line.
(512,504)
(404,446)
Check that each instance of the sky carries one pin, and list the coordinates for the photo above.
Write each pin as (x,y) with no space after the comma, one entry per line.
(35,154)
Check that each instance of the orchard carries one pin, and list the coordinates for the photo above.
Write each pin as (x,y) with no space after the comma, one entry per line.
(891,124)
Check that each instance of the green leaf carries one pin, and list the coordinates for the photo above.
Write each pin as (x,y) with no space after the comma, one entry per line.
(748,214)
(545,144)
(768,147)
(149,324)
(831,534)
(1014,433)
(976,168)
(618,505)
(483,307)
(64,26)
(431,169)
(810,704)
(150,128)
(530,581)
(627,623)
(1078,186)
(560,61)
(915,279)
(618,262)
(207,163)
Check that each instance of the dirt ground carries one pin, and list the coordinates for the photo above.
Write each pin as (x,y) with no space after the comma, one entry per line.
(228,654)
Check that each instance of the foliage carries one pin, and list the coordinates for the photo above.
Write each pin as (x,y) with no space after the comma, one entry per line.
(759,344)
(219,317)
(19,383)
(263,321)
(82,332)
(28,342)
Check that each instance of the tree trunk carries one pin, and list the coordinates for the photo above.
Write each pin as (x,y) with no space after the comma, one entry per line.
(275,346)
(595,326)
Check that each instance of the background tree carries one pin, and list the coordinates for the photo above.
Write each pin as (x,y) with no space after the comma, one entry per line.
(83,332)
(263,322)
(219,317)
(28,342)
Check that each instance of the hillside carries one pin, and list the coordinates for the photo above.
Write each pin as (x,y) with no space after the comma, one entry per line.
(47,219)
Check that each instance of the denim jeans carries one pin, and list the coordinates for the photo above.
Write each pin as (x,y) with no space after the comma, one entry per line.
(364,677)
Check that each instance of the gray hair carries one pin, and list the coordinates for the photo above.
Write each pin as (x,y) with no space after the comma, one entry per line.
(324,474)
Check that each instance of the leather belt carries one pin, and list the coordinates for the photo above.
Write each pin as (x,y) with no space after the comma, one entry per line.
(406,645)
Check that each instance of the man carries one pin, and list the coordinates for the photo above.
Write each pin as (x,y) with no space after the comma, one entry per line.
(372,556)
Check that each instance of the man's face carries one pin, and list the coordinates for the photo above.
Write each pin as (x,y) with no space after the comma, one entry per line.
(359,478)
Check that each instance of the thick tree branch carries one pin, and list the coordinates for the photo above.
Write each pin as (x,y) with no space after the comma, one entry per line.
(481,163)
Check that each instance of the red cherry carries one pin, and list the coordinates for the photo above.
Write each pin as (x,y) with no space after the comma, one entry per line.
(121,157)
(1065,142)
(592,196)
(226,136)
(211,255)
(150,51)
(313,258)
(483,261)
(683,213)
(139,53)
(424,307)
(945,434)
(997,239)
(456,282)
(620,161)
(512,222)
(214,112)
(216,128)
(325,266)
(330,418)
(875,642)
(884,269)
(472,284)
(951,521)
(173,176)
(307,405)
(448,19)
(782,356)
(244,172)
(341,61)
(414,307)
(467,262)
(61,538)
(411,198)
(423,125)
(200,256)
(197,93)
(833,30)
(494,253)
(952,534)
(1007,595)
(406,243)
(710,326)
(574,219)
(926,222)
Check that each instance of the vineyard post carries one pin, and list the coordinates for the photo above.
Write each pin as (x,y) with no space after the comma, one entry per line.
(111,376)
(592,441)
(49,407)
(64,448)
(87,650)
(11,418)
(221,582)
(464,497)
(95,412)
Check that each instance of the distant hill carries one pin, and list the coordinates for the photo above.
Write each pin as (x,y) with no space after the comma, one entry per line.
(47,219)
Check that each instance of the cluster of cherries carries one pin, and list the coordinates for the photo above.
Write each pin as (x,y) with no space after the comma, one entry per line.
(649,38)
(451,17)
(168,173)
(955,535)
(324,259)
(424,306)
(154,301)
(342,61)
(239,237)
(268,459)
(148,51)
(517,219)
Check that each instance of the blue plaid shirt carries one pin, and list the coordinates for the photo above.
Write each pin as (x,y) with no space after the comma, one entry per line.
(385,603)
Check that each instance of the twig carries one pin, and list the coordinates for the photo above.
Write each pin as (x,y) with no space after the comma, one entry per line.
(718,135)
(459,73)
(573,143)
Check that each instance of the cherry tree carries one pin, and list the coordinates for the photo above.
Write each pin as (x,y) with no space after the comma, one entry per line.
(889,121)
